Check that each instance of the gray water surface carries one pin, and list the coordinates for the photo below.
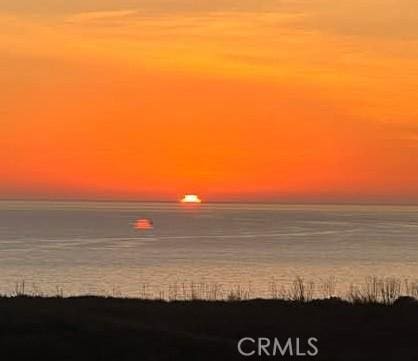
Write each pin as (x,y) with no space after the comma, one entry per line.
(93,247)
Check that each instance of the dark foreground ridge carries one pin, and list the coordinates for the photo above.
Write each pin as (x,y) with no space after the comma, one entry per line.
(96,328)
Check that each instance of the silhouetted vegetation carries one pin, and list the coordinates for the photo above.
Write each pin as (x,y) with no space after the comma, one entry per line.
(374,323)
(99,328)
(373,290)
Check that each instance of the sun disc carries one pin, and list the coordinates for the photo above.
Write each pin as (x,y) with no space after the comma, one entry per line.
(191,198)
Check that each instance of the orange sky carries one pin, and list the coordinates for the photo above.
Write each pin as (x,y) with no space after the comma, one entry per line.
(253,100)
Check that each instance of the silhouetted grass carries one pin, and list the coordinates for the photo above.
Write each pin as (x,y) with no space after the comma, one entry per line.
(385,290)
(109,328)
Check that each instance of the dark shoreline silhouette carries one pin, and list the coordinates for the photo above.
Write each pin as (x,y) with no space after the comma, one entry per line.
(117,329)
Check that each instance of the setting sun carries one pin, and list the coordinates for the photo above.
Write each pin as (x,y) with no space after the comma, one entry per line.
(191,198)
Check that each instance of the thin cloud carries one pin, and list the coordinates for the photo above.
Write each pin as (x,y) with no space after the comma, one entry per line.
(98,16)
(397,19)
(166,6)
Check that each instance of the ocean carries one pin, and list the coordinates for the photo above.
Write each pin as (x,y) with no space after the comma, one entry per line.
(75,248)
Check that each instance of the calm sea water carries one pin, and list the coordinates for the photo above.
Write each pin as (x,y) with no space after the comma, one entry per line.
(92,247)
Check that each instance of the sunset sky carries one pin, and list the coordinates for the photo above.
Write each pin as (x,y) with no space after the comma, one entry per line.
(292,100)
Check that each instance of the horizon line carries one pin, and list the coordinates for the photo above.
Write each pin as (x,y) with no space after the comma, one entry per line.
(284,202)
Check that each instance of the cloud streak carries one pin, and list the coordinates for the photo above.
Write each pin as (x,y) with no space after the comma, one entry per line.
(101,16)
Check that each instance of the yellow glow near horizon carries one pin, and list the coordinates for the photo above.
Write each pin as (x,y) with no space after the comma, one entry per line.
(191,198)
